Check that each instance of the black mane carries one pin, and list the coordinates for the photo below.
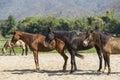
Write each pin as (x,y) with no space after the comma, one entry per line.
(69,35)
(103,37)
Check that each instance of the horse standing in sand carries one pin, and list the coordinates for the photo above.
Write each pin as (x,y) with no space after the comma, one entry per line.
(11,46)
(107,44)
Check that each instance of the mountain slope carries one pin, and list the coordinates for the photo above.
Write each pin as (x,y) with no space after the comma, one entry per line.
(59,8)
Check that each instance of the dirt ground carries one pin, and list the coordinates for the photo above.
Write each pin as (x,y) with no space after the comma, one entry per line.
(23,68)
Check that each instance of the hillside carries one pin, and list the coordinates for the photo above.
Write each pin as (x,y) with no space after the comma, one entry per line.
(59,8)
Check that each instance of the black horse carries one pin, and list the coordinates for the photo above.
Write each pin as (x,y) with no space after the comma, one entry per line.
(73,42)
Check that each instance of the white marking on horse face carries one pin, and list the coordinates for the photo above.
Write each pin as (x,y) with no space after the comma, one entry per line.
(85,42)
(45,44)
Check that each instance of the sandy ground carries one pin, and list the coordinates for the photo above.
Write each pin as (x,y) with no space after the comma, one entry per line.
(23,68)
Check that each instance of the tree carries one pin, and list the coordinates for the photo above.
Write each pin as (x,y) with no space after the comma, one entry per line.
(8,26)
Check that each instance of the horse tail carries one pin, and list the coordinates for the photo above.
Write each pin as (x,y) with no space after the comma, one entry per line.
(79,55)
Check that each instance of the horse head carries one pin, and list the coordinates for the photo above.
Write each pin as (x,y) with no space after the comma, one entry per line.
(49,37)
(16,36)
(89,37)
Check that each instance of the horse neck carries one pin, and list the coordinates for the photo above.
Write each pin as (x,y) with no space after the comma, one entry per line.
(60,35)
(101,40)
(26,38)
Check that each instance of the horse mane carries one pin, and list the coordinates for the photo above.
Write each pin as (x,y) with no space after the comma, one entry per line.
(76,32)
(70,33)
(103,37)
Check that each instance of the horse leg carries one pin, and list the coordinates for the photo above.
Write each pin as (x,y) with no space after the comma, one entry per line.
(100,58)
(73,63)
(35,53)
(108,62)
(105,61)
(75,66)
(13,51)
(65,59)
(10,50)
(4,52)
(26,50)
(23,51)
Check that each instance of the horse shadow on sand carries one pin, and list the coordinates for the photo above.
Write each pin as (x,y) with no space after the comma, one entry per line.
(78,72)
(59,72)
(20,71)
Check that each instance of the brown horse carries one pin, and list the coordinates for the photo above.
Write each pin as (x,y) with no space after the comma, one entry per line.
(107,44)
(11,46)
(36,43)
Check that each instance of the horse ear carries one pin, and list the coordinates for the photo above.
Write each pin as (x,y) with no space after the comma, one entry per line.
(49,29)
(91,31)
(14,30)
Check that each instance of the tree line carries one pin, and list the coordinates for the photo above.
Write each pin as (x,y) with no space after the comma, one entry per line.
(39,25)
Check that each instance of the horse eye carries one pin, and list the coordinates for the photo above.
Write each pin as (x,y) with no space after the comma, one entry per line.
(13,37)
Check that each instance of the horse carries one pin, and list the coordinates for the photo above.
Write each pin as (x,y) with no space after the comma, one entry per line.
(36,44)
(107,44)
(11,46)
(74,42)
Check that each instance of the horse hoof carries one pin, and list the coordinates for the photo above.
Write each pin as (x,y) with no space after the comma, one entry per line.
(64,71)
(108,73)
(103,71)
(71,72)
(98,70)
(4,55)
(36,70)
(75,69)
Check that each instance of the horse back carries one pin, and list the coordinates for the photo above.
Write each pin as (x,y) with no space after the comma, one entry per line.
(112,46)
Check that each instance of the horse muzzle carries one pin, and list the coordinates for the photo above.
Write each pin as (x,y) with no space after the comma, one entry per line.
(85,43)
(45,44)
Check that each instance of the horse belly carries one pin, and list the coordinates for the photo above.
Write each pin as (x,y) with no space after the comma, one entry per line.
(46,49)
(115,47)
(18,44)
(115,50)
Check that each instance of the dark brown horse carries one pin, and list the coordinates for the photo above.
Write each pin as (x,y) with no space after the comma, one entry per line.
(36,43)
(74,42)
(107,44)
